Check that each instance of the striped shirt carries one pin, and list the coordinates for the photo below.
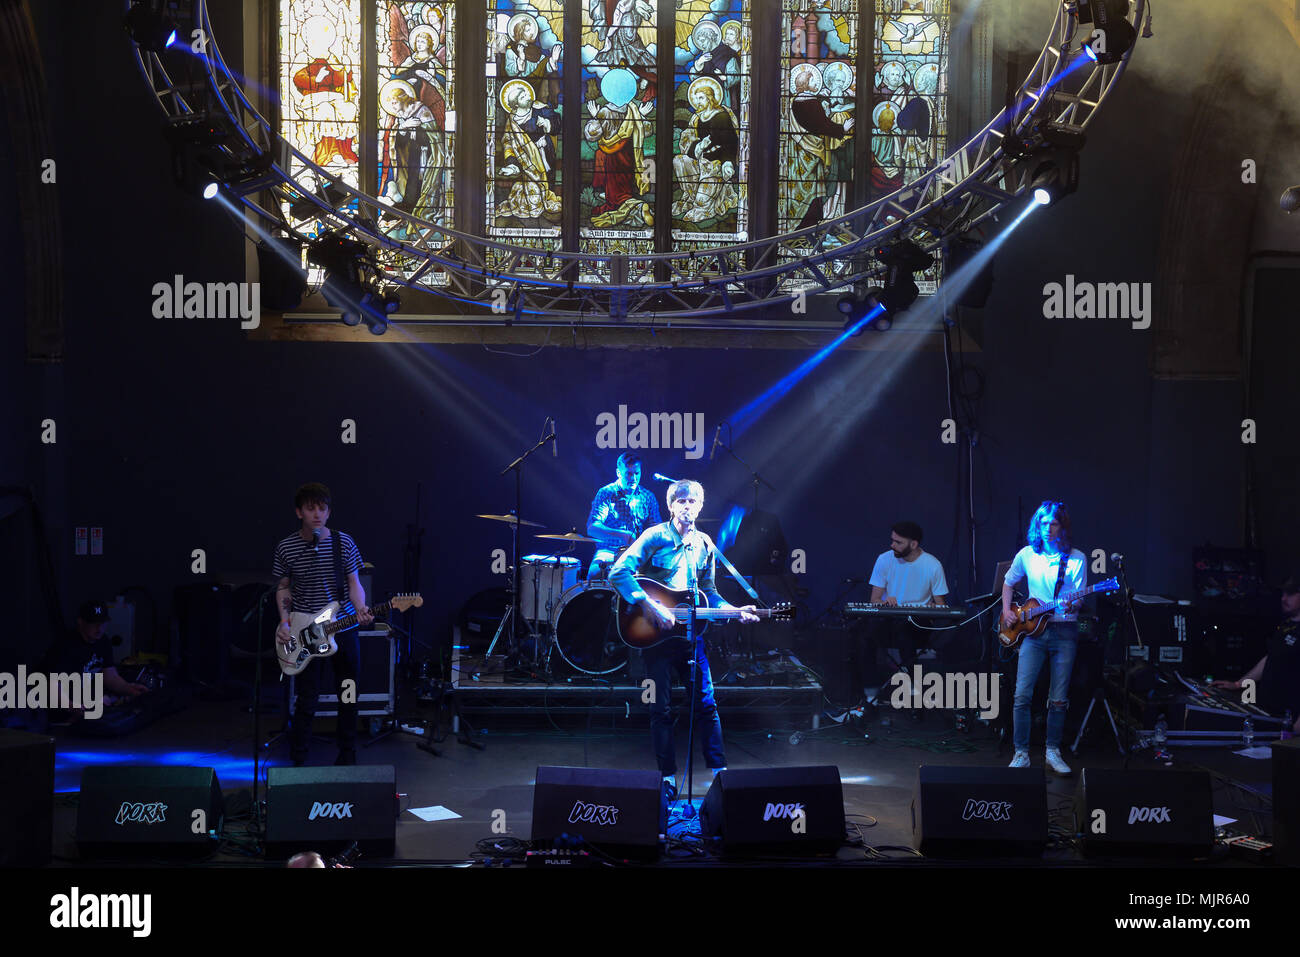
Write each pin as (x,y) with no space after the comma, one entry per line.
(311,571)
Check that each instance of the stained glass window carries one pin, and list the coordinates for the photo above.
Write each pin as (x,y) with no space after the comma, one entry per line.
(416,115)
(711,107)
(524,110)
(910,117)
(320,57)
(620,92)
(818,112)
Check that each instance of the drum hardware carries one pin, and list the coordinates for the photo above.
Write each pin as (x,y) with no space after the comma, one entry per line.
(511,520)
(585,629)
(570,536)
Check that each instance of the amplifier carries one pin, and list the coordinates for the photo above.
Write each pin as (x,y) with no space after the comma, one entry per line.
(311,807)
(1151,813)
(623,811)
(148,809)
(1171,635)
(376,688)
(979,812)
(775,811)
(26,799)
(1286,802)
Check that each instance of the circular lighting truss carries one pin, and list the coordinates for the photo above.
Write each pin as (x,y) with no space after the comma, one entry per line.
(1054,104)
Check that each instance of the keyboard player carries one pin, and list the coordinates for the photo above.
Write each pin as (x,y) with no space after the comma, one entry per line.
(906,574)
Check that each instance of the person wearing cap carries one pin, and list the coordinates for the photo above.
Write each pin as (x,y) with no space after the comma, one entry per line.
(87,649)
(1278,672)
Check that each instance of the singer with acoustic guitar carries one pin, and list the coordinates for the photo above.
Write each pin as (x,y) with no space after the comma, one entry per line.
(673,553)
(1050,568)
(312,566)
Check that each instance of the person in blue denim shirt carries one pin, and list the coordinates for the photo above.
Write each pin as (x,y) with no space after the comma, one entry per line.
(1039,565)
(667,552)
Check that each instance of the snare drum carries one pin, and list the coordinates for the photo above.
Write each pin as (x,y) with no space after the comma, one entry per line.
(586,629)
(543,580)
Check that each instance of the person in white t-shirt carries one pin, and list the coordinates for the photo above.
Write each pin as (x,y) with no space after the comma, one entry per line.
(1039,565)
(907,574)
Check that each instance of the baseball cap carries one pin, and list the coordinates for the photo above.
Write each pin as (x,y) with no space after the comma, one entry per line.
(93,612)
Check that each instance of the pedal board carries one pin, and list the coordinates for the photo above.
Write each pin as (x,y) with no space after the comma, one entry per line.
(559,857)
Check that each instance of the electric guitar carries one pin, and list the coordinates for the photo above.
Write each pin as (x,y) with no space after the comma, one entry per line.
(1032,617)
(313,635)
(639,630)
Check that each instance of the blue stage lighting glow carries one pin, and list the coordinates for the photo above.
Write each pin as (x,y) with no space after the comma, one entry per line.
(752,412)
(730,526)
(1092,54)
(210,190)
(229,767)
(1042,197)
(171,38)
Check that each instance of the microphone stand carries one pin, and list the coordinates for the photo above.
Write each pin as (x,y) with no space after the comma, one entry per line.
(755,479)
(518,467)
(257,691)
(1126,611)
(693,646)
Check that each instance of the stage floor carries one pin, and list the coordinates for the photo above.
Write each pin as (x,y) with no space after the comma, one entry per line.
(877,765)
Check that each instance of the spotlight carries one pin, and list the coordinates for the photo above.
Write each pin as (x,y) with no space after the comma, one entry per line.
(148,28)
(352,282)
(1290,199)
(1113,34)
(210,190)
(1054,175)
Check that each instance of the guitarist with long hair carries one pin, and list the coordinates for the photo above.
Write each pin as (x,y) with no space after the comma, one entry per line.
(667,553)
(314,566)
(1049,567)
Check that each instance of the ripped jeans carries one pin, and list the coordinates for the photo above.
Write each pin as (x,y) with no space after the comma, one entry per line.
(1057,643)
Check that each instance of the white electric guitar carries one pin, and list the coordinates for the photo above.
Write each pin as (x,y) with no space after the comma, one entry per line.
(313,635)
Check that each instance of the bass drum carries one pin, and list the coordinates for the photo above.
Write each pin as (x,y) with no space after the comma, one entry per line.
(586,629)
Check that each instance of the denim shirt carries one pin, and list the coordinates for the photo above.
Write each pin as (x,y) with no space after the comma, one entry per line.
(660,554)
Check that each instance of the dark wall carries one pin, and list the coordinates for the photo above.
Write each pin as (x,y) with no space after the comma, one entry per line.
(181,434)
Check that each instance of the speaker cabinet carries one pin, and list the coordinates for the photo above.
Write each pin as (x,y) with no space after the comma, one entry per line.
(310,808)
(152,810)
(979,812)
(1286,802)
(624,811)
(793,811)
(1146,812)
(26,799)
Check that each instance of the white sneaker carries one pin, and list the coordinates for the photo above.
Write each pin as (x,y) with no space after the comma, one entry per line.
(1021,760)
(1054,761)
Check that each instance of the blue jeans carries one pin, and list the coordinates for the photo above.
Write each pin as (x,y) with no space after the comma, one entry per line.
(660,663)
(1058,644)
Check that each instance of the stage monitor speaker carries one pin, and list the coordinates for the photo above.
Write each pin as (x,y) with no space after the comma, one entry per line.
(26,799)
(979,812)
(1147,812)
(1286,802)
(311,808)
(149,810)
(622,811)
(783,811)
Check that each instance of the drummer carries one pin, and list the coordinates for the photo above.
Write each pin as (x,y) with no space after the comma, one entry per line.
(620,512)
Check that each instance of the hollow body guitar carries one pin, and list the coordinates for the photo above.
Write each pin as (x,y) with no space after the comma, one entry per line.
(1033,616)
(313,635)
(639,630)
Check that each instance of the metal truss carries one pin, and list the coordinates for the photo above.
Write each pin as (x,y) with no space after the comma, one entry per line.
(1062,92)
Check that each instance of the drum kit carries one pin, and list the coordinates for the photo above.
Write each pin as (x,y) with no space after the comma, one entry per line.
(575,618)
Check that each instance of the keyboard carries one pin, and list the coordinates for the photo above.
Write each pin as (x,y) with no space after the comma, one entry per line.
(864,609)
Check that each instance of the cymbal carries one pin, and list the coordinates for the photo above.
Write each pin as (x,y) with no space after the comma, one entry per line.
(568,537)
(511,520)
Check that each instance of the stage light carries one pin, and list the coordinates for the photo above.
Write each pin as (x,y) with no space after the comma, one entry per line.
(1053,175)
(1112,34)
(210,190)
(1290,199)
(148,28)
(1041,196)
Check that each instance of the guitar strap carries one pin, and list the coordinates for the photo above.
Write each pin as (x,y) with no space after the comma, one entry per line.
(736,575)
(340,592)
(1060,575)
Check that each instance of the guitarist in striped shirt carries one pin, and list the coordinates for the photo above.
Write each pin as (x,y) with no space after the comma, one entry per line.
(315,566)
(1049,567)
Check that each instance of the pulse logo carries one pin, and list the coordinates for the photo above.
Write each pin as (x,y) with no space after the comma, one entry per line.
(593,813)
(1149,815)
(323,809)
(779,811)
(142,813)
(986,811)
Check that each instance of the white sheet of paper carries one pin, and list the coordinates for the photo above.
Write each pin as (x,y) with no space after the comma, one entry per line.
(1221,821)
(436,813)
(1259,752)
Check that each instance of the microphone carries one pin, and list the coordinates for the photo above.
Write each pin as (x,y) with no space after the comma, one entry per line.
(1117,558)
(315,538)
(663,478)
(717,434)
